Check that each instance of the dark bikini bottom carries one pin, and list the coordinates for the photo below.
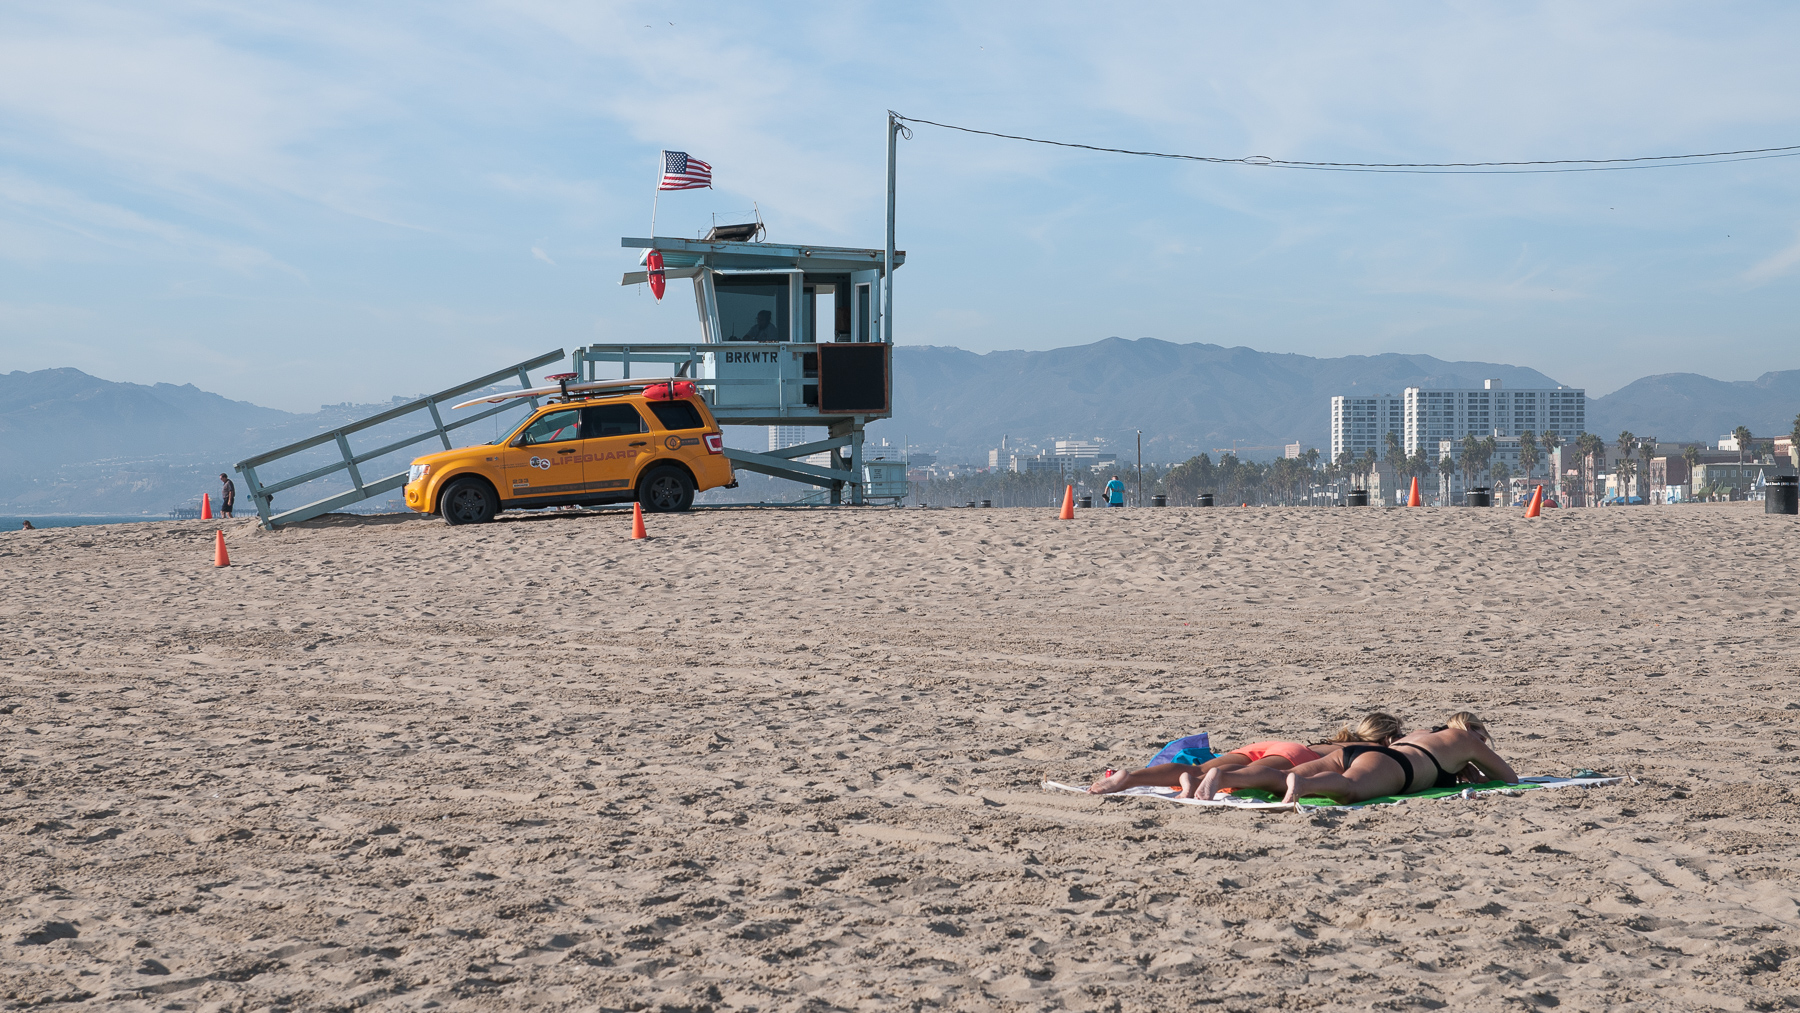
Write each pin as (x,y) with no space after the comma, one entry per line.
(1444,778)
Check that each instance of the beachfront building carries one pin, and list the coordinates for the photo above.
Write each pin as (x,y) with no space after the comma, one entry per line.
(1729,480)
(1067,456)
(1360,424)
(1434,416)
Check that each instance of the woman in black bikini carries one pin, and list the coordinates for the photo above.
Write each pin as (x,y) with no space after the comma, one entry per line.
(1435,759)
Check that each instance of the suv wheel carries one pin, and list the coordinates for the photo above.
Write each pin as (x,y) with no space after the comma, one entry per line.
(666,489)
(468,501)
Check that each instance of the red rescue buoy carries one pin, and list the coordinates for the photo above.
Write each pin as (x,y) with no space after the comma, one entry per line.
(661,391)
(658,280)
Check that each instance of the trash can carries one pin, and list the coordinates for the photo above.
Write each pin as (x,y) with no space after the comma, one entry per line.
(1085,501)
(1356,497)
(1159,501)
(987,504)
(1206,499)
(1478,497)
(1782,495)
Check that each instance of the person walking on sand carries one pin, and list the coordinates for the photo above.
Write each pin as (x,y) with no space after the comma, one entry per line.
(227,494)
(1458,749)
(1115,492)
(1378,728)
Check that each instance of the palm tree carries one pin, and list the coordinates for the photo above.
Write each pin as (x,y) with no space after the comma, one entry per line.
(1446,468)
(1312,457)
(1471,461)
(1502,483)
(1550,441)
(1646,450)
(1589,446)
(1488,447)
(1367,465)
(1528,453)
(1742,435)
(1692,456)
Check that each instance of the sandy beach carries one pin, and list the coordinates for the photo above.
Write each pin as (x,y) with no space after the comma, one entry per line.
(793,761)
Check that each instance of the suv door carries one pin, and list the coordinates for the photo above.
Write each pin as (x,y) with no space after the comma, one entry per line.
(616,437)
(545,459)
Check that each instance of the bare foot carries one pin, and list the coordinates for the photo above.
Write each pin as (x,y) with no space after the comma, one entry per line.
(1188,783)
(1113,781)
(1293,791)
(1209,785)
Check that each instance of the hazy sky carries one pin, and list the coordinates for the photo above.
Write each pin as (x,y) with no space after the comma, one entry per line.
(304,203)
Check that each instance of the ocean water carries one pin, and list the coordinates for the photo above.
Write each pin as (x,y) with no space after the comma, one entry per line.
(9,522)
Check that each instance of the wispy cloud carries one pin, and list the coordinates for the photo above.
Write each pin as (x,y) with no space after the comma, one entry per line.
(1778,264)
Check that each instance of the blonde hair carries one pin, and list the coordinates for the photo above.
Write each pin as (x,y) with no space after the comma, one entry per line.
(1378,727)
(1470,723)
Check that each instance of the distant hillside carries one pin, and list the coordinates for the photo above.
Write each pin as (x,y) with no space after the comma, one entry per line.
(1186,398)
(1688,406)
(74,443)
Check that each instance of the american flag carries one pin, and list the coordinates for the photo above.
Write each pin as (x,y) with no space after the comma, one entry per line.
(683,172)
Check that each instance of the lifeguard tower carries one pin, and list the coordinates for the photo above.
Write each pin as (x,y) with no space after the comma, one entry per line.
(789,336)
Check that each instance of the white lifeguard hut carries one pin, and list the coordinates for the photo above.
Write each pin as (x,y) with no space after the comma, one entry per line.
(790,335)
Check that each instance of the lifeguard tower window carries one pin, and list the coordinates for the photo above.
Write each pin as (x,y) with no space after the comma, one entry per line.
(753,307)
(611,420)
(676,414)
(854,377)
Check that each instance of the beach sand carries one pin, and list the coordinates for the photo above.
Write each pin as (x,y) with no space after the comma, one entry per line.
(792,761)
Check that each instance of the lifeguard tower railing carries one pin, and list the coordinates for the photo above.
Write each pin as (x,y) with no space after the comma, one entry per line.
(350,461)
(789,336)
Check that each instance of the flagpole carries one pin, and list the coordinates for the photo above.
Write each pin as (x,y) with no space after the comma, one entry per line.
(656,194)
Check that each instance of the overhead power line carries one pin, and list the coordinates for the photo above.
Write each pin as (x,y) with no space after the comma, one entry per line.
(1472,168)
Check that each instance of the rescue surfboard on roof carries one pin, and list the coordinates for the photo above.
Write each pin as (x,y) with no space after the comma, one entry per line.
(648,384)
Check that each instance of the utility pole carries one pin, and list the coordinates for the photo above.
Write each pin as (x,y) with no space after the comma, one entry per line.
(1140,445)
(887,265)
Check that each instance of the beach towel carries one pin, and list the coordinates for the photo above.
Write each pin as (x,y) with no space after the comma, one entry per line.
(1191,749)
(1252,798)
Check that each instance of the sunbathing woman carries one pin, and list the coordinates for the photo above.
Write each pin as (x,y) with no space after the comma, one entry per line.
(1377,728)
(1459,748)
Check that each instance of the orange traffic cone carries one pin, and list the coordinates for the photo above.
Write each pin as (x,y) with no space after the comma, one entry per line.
(637,521)
(1537,503)
(1068,510)
(206,506)
(1413,500)
(220,556)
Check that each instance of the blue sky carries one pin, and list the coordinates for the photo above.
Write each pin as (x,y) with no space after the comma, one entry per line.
(303,203)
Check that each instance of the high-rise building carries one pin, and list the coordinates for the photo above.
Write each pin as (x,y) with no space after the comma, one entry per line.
(1435,416)
(783,437)
(1362,423)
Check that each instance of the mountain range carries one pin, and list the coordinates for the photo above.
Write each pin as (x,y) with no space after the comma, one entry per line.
(74,443)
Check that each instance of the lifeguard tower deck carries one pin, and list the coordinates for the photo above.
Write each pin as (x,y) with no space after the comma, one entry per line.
(789,336)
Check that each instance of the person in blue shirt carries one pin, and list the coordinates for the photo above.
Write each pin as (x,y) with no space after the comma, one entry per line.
(1115,492)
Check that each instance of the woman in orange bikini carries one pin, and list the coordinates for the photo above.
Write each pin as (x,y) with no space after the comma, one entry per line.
(1273,757)
(1459,749)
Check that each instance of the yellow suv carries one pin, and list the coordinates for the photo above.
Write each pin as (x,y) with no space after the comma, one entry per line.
(659,446)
